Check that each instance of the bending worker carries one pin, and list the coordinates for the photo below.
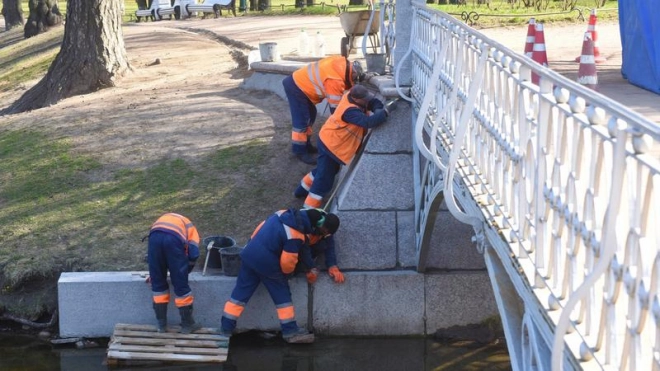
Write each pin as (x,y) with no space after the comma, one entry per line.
(306,87)
(269,257)
(173,247)
(339,140)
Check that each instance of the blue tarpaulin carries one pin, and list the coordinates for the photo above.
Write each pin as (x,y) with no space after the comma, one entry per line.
(639,22)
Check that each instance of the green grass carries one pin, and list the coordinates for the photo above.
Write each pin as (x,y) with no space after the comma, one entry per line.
(27,59)
(62,212)
(498,12)
(502,13)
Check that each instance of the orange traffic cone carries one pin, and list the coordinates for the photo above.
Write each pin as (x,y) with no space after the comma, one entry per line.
(529,42)
(587,75)
(591,28)
(538,52)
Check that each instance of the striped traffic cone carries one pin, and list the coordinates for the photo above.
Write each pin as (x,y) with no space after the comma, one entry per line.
(587,75)
(538,52)
(529,42)
(591,28)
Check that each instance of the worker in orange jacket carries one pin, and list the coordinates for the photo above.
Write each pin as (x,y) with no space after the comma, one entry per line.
(327,78)
(339,140)
(173,247)
(270,257)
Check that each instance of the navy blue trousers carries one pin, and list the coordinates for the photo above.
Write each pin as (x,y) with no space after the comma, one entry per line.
(278,287)
(167,253)
(303,115)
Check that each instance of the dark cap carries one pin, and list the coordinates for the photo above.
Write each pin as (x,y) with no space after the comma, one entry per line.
(360,92)
(331,223)
(314,216)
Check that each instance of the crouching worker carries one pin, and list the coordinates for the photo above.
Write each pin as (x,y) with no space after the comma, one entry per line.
(270,257)
(173,247)
(339,140)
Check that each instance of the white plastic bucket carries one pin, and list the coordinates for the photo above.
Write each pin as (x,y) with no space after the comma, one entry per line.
(269,52)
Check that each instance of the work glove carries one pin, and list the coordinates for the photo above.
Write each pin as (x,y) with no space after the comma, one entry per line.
(312,275)
(390,107)
(336,274)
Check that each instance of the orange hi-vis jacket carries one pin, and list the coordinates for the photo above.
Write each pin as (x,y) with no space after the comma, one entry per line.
(342,138)
(325,78)
(183,228)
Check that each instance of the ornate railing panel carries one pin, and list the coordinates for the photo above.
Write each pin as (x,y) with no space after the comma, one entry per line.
(561,181)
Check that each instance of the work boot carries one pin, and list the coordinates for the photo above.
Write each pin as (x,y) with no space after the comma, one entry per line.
(301,336)
(311,149)
(300,192)
(306,158)
(225,332)
(161,316)
(188,324)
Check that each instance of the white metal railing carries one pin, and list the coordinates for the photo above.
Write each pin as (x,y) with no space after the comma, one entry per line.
(562,180)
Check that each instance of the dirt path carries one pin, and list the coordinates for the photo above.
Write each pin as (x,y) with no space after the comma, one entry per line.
(181,100)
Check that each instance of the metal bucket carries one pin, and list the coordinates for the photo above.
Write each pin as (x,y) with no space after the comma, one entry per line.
(376,63)
(269,52)
(231,260)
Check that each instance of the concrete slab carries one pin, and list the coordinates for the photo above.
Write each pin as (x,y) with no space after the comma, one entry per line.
(458,298)
(395,135)
(380,182)
(384,303)
(366,240)
(405,230)
(451,246)
(266,81)
(91,303)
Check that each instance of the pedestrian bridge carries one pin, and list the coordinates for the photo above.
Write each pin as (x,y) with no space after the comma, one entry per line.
(560,185)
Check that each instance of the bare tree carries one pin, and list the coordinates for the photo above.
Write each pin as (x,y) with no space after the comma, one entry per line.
(13,13)
(92,55)
(44,14)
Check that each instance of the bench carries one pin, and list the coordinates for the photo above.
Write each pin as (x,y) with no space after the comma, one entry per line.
(189,7)
(155,11)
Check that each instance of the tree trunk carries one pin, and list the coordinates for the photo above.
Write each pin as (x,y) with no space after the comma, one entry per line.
(92,55)
(13,13)
(44,14)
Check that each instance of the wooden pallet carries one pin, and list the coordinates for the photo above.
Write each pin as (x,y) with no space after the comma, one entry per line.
(145,343)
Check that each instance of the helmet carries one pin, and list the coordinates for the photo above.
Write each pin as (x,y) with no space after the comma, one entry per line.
(358,73)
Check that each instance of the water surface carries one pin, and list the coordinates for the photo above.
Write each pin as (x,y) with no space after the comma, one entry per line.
(251,352)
